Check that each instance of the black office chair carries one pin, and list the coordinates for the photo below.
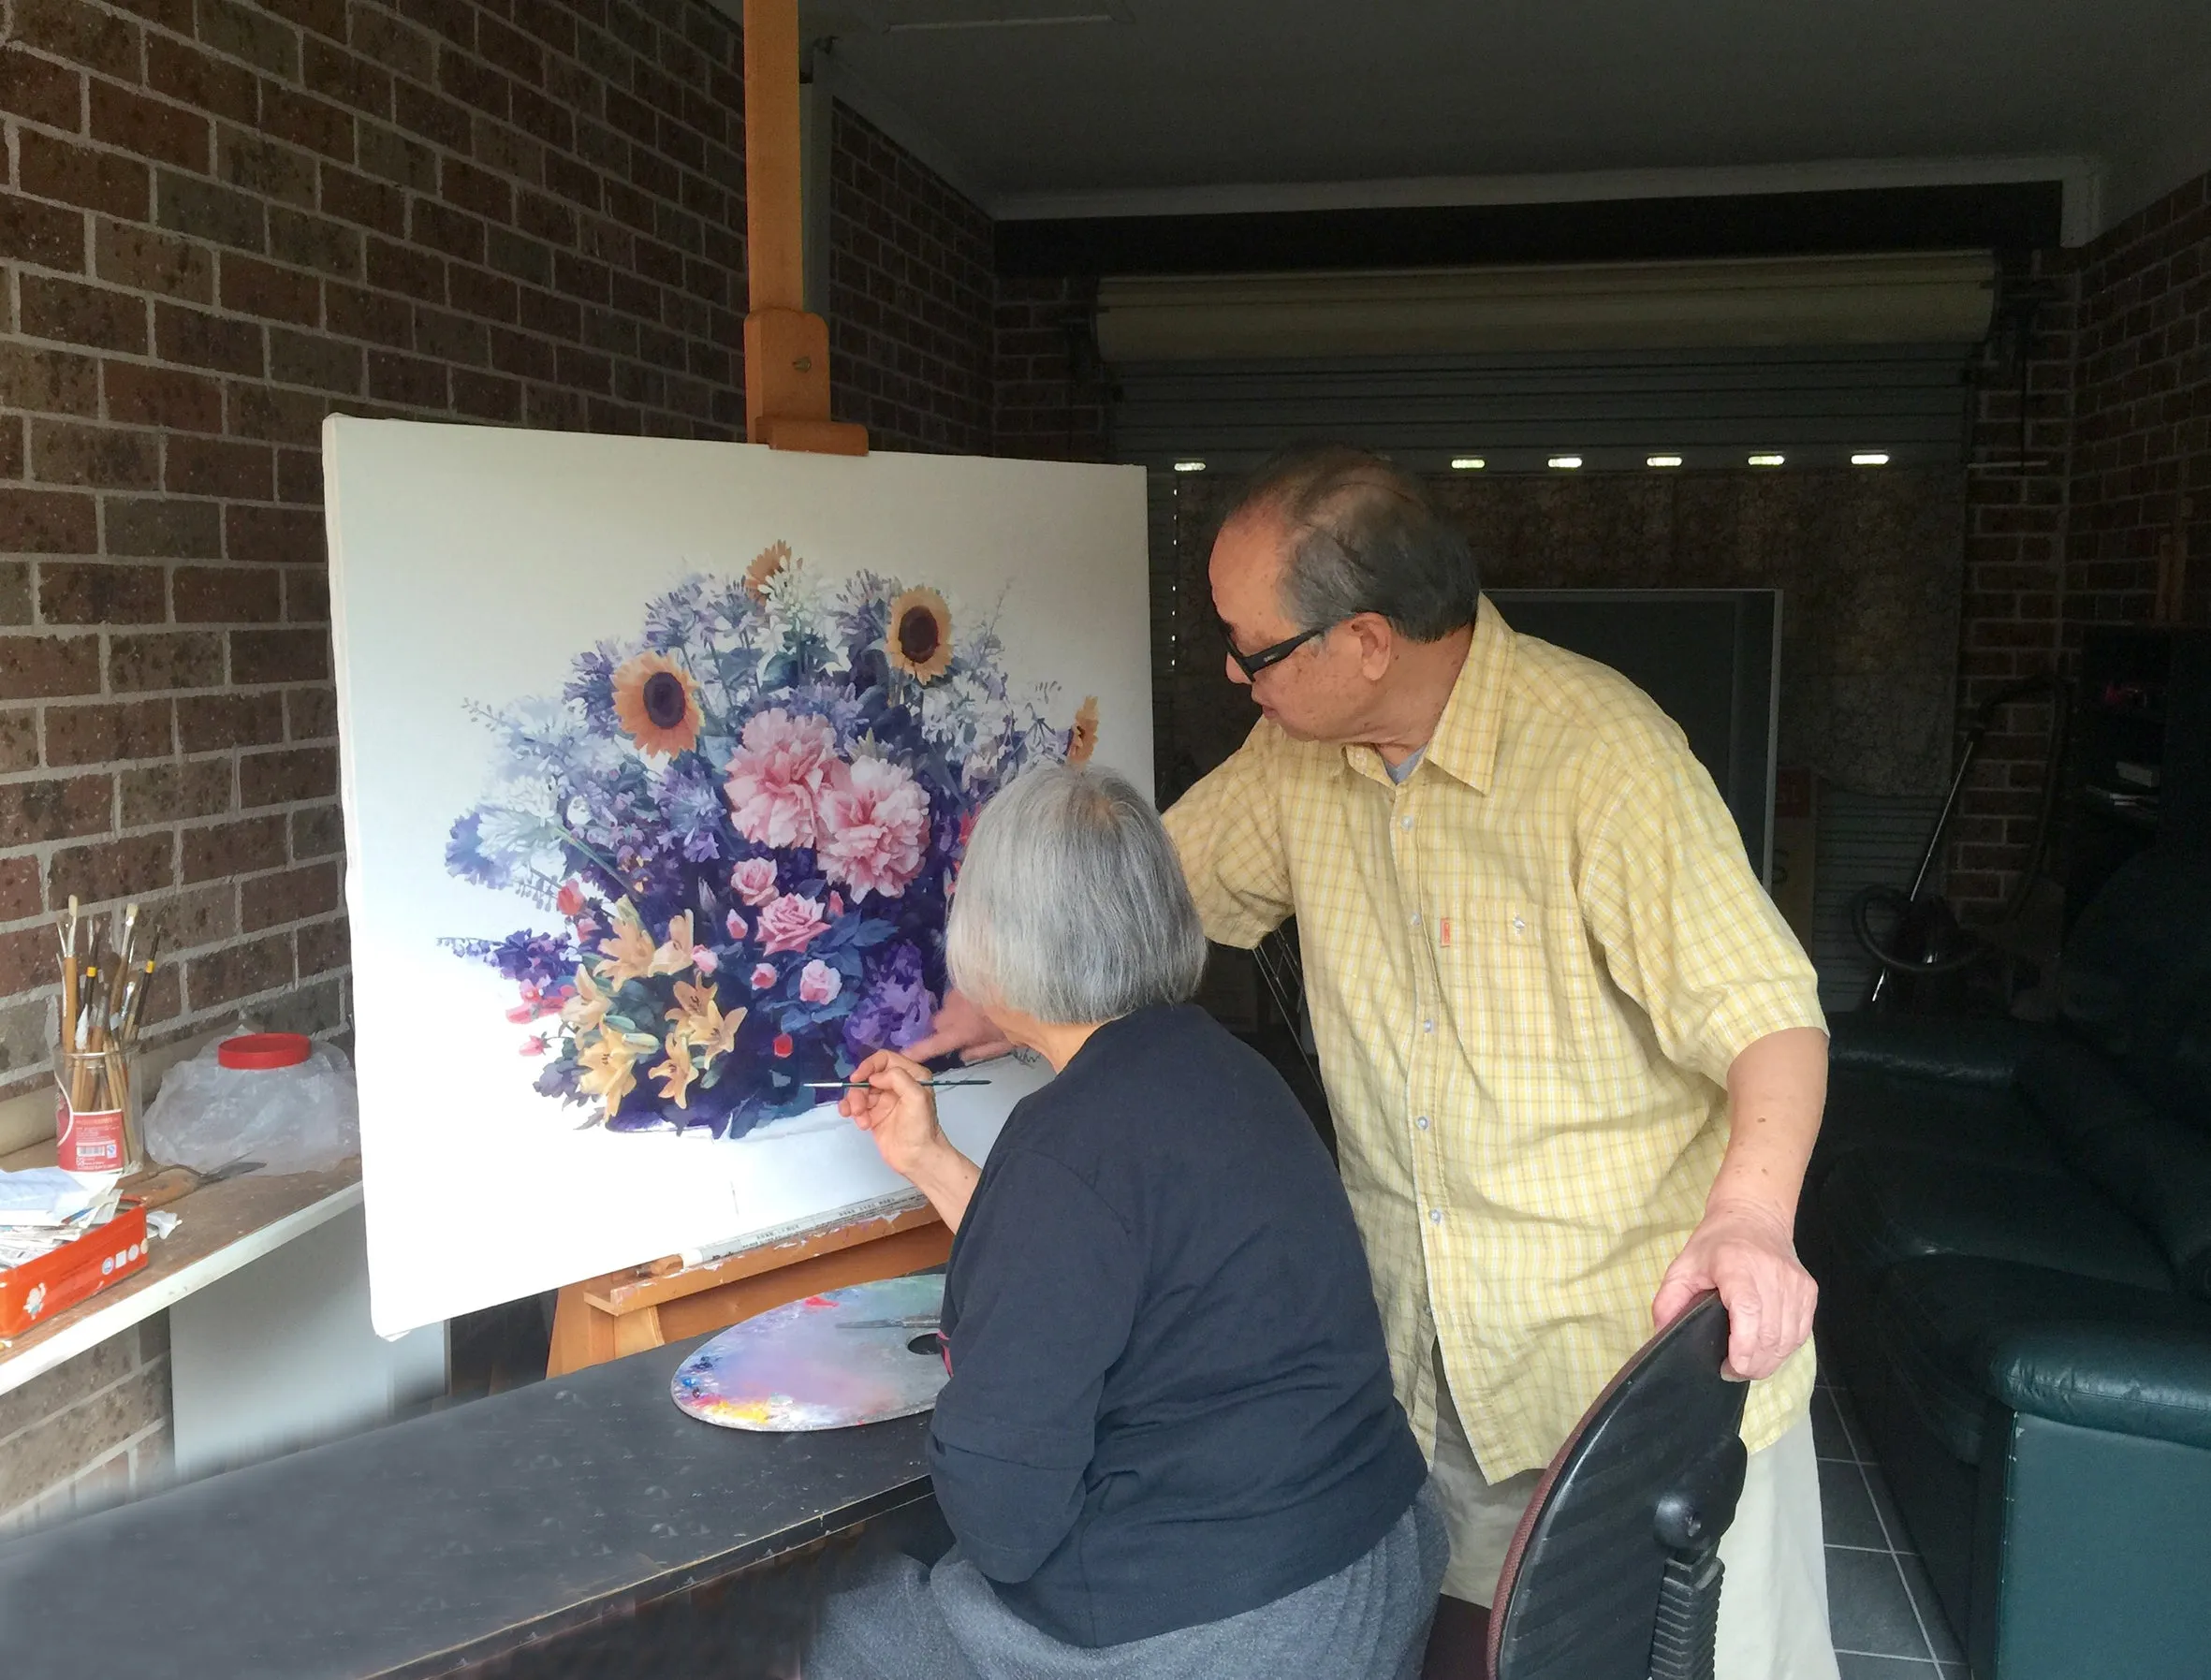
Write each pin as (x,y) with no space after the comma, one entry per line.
(1614,1573)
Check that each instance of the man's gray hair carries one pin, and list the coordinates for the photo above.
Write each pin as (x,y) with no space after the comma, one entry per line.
(1071,905)
(1364,535)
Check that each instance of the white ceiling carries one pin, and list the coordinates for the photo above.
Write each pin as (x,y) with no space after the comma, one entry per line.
(1169,97)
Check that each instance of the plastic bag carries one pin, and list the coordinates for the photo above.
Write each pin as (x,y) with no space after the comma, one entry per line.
(293,1119)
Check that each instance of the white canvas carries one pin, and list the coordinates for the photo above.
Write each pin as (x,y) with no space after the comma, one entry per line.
(471,570)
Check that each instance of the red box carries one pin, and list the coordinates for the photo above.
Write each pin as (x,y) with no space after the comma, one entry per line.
(38,1290)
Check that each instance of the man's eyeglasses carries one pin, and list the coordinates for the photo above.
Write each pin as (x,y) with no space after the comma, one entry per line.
(1251,664)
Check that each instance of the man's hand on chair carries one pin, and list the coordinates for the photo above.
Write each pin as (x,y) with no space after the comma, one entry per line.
(1745,1253)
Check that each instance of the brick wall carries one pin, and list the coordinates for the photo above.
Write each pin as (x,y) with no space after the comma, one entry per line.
(222,222)
(1051,388)
(92,1431)
(910,298)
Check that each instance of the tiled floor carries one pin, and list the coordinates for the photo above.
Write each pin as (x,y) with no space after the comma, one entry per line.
(1880,1606)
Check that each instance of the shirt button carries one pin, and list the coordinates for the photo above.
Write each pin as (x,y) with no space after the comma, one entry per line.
(1519,925)
(1417,919)
(1404,822)
(1435,1216)
(1421,1122)
(1427,1025)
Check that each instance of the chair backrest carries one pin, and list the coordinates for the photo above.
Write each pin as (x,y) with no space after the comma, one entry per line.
(2136,973)
(1655,1465)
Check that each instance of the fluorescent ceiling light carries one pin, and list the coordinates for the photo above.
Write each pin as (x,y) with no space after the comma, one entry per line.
(1189,466)
(1870,458)
(1767,460)
(1466,463)
(1565,463)
(1661,461)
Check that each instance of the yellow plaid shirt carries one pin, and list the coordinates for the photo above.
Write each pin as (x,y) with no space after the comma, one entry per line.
(1529,968)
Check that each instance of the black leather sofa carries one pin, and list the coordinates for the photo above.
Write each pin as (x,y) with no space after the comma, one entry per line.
(2012,1230)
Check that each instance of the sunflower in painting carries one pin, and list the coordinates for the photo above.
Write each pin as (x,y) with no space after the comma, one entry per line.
(919,641)
(657,703)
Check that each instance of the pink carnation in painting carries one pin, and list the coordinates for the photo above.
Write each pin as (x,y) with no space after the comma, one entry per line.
(754,881)
(875,824)
(818,983)
(790,924)
(776,775)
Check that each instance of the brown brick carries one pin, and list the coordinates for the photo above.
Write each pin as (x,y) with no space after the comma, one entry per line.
(20,897)
(102,592)
(315,123)
(102,734)
(291,895)
(309,358)
(116,868)
(292,776)
(319,831)
(50,381)
(366,202)
(197,916)
(299,477)
(152,396)
(183,72)
(346,78)
(57,168)
(162,527)
(62,452)
(48,522)
(259,288)
(306,597)
(210,723)
(258,164)
(81,33)
(19,741)
(394,378)
(443,228)
(34,666)
(259,656)
(34,813)
(42,91)
(207,210)
(323,947)
(310,714)
(278,416)
(363,314)
(238,972)
(391,155)
(488,296)
(27,961)
(208,467)
(200,340)
(249,32)
(82,314)
(181,659)
(314,242)
(395,267)
(275,535)
(169,792)
(324,17)
(148,127)
(437,119)
(14,458)
(45,234)
(226,595)
(452,338)
(487,395)
(148,261)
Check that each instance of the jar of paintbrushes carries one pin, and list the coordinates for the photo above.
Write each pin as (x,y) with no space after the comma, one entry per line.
(104,982)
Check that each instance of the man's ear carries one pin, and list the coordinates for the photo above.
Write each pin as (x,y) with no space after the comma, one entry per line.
(1377,643)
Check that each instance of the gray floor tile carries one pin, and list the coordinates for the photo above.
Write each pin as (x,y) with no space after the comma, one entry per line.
(1857,1666)
(1867,1608)
(1941,1635)
(1846,1510)
(1829,1439)
(1884,1507)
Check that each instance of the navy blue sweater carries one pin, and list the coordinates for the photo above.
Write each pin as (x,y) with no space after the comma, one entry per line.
(1170,1400)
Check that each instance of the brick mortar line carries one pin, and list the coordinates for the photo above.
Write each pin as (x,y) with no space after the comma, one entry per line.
(141,1364)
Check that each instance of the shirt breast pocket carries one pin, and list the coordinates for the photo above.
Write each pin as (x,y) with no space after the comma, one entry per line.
(1504,981)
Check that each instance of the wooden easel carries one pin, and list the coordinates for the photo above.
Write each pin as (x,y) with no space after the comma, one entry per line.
(786,408)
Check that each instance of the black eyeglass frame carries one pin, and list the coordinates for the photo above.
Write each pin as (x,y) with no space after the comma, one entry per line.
(1251,664)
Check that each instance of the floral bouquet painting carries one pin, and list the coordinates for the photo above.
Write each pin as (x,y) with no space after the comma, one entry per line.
(748,822)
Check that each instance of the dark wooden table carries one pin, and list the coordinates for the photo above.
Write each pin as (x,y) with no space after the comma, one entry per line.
(463,1540)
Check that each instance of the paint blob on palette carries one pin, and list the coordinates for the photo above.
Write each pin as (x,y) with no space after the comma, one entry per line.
(829,1361)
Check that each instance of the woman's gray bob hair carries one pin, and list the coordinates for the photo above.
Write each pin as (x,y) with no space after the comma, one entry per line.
(1071,905)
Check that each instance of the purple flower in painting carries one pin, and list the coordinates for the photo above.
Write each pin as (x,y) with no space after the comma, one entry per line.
(464,853)
(591,686)
(897,1006)
(541,960)
(694,808)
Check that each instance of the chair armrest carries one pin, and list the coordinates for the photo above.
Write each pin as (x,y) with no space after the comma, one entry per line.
(1968,1050)
(2129,1379)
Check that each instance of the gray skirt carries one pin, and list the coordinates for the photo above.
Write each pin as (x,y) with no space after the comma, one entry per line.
(1369,1620)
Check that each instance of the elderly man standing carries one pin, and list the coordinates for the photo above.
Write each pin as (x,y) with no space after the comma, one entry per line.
(1576,1060)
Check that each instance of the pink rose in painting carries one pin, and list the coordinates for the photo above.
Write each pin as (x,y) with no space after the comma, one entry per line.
(791,924)
(736,924)
(763,976)
(836,905)
(874,822)
(776,775)
(754,879)
(818,983)
(704,960)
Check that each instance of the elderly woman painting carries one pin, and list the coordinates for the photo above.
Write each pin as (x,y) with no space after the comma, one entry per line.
(1169,1444)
